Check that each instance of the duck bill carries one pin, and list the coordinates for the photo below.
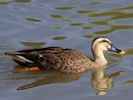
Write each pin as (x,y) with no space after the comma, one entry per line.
(114,49)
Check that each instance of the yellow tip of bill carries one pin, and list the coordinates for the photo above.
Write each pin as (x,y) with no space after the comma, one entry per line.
(122,52)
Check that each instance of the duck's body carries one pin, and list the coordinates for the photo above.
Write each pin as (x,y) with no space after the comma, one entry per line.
(64,60)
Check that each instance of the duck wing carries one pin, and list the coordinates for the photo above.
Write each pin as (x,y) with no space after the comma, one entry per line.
(32,57)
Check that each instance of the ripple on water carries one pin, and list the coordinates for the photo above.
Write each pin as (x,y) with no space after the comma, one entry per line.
(33,44)
(35,20)
(86,12)
(64,8)
(11,1)
(95,3)
(59,38)
(22,0)
(5,3)
(76,24)
(122,21)
(56,16)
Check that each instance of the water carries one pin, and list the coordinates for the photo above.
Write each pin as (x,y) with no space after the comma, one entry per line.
(71,24)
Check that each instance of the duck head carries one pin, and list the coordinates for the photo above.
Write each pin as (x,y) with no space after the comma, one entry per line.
(101,44)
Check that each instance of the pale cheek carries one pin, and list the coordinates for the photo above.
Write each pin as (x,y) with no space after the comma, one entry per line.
(103,48)
(100,49)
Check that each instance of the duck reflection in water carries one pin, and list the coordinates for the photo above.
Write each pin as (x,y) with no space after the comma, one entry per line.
(100,81)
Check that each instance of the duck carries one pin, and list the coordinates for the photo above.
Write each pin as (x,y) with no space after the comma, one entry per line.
(64,59)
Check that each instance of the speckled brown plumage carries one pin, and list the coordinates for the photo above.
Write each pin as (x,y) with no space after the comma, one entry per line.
(64,60)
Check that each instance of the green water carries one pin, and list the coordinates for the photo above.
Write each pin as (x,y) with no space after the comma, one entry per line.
(72,24)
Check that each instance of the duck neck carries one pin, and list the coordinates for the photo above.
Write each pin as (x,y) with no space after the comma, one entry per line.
(99,58)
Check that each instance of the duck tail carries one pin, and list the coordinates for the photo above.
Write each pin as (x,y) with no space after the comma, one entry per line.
(9,54)
(21,58)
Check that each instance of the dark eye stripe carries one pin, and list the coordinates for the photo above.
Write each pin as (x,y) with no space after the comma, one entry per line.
(105,41)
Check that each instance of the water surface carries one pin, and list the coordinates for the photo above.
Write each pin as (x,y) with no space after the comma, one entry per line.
(71,24)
